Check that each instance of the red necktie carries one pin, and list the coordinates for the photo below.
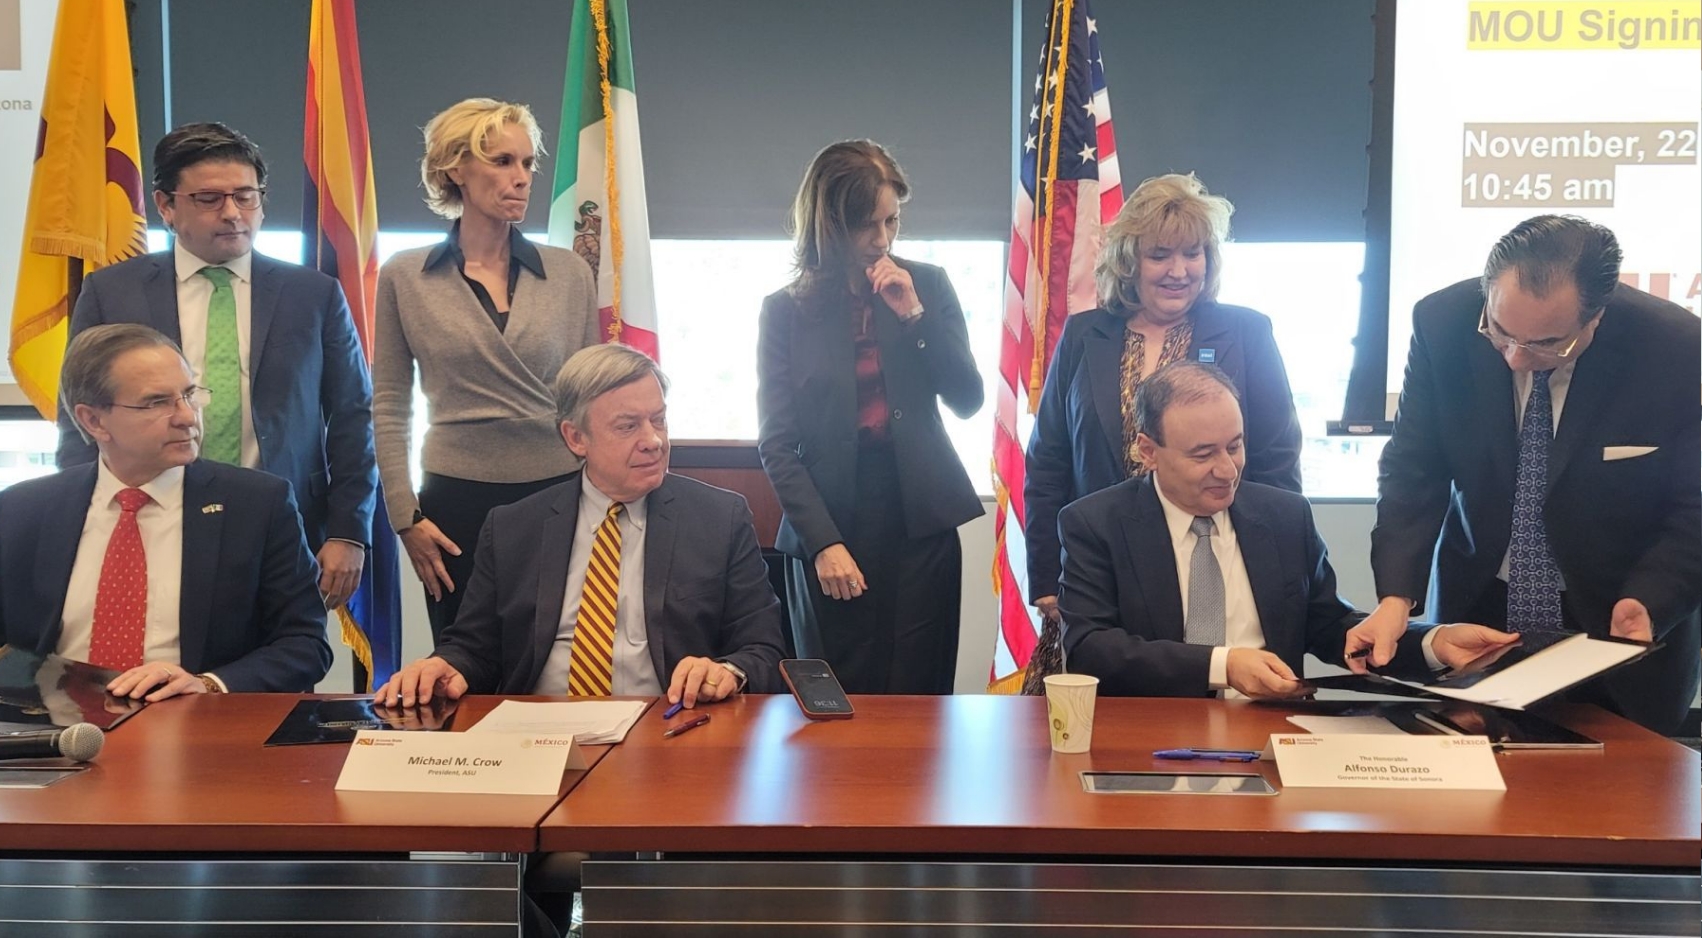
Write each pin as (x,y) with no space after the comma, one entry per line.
(121,602)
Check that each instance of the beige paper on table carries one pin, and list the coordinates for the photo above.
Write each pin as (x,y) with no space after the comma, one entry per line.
(1364,725)
(587,721)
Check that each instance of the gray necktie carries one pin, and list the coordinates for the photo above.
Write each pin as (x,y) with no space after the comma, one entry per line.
(1205,590)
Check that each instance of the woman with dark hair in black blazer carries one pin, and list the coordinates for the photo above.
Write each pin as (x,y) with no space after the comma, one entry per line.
(853,358)
(1157,277)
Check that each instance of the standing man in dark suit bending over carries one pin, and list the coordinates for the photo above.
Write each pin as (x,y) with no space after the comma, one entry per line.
(1548,432)
(188,576)
(272,341)
(624,579)
(1190,581)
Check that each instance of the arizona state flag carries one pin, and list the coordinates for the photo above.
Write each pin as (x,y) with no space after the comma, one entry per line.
(340,219)
(85,191)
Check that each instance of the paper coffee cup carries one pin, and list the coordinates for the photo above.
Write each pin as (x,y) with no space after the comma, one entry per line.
(1069,711)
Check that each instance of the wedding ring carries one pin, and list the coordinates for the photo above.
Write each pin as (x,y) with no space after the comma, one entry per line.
(709,683)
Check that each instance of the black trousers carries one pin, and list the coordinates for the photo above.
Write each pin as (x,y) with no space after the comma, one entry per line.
(900,636)
(458,507)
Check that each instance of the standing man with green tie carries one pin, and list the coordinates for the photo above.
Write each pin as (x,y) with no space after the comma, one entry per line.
(273,342)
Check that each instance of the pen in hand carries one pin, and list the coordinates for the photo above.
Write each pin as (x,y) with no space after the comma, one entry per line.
(673,710)
(688,725)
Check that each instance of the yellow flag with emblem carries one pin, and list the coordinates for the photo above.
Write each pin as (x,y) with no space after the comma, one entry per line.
(85,209)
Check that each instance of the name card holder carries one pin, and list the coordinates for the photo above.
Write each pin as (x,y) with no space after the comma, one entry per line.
(1409,763)
(461,763)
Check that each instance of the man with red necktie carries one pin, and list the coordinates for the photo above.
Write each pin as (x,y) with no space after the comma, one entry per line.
(186,576)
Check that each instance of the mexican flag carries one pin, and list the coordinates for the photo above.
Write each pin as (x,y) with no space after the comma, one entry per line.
(597,206)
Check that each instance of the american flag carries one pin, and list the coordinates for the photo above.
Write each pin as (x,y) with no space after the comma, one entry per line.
(1068,188)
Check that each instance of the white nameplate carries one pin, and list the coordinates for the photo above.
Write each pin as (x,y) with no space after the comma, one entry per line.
(1411,763)
(471,763)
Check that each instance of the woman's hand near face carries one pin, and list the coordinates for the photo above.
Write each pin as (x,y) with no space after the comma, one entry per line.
(893,284)
(839,574)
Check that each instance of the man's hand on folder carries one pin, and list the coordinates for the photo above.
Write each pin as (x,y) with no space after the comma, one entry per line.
(1631,620)
(1371,643)
(1459,645)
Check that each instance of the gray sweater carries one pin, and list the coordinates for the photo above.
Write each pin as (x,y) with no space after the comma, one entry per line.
(488,402)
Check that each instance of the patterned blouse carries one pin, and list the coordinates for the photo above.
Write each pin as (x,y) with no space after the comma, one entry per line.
(871,384)
(1176,341)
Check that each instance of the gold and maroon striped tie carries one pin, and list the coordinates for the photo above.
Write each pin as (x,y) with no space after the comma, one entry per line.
(590,673)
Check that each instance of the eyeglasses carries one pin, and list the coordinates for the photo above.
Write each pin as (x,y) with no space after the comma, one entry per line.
(211,201)
(1560,349)
(157,407)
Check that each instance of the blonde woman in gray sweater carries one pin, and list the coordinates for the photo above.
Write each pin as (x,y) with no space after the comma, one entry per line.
(488,318)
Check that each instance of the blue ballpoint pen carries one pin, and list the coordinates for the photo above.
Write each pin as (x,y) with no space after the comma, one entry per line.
(673,709)
(1213,755)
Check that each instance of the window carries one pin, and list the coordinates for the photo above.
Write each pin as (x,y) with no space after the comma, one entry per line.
(1311,293)
(710,293)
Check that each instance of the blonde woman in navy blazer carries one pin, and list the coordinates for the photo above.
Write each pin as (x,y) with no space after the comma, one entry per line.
(854,358)
(1157,276)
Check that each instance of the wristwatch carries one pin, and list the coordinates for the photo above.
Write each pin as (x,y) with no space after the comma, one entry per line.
(418,516)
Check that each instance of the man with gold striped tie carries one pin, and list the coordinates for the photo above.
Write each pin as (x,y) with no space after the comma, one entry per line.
(623,580)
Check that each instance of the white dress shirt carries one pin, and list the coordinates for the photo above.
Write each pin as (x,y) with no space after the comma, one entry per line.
(1240,613)
(194,292)
(161,523)
(634,672)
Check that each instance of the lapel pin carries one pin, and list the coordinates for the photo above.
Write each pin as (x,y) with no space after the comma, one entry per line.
(1208,356)
(211,509)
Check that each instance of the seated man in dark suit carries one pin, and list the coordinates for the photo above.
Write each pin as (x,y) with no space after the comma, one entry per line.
(188,576)
(624,579)
(1192,581)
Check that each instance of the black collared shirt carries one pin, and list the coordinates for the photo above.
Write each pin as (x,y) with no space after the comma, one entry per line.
(521,253)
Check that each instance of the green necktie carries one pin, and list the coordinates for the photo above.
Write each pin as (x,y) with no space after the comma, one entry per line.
(221,437)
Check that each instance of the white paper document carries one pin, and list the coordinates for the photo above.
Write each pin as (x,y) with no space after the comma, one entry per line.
(1365,725)
(587,721)
(1543,674)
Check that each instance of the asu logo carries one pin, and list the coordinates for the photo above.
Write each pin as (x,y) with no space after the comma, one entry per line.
(363,742)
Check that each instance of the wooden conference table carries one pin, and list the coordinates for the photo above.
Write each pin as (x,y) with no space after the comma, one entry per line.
(920,816)
(187,825)
(954,816)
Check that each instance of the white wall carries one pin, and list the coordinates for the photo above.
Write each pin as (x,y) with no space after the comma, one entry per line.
(1345,526)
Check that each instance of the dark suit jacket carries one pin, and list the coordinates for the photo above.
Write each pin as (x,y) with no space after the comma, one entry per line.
(706,589)
(807,412)
(249,608)
(1122,600)
(1618,528)
(310,393)
(1076,447)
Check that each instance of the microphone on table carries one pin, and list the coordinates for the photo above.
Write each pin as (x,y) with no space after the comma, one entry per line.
(79,742)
